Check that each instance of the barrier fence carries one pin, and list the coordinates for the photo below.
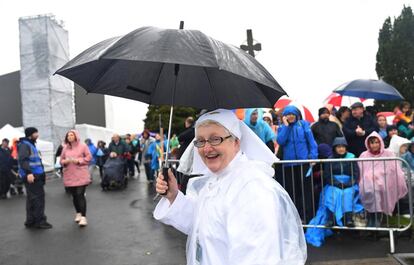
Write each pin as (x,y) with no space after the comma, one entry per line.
(350,194)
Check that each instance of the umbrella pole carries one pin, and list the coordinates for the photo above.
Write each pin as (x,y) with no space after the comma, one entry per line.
(168,137)
(176,70)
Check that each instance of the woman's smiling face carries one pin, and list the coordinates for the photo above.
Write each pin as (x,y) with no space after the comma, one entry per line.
(216,157)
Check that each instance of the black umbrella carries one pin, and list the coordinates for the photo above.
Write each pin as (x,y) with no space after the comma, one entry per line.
(174,67)
(369,88)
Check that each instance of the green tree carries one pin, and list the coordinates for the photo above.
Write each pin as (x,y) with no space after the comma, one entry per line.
(395,56)
(152,120)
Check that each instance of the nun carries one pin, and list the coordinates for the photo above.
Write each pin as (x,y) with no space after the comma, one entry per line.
(236,213)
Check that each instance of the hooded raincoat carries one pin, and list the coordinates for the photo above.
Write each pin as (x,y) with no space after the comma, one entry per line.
(155,151)
(396,142)
(261,128)
(75,175)
(239,215)
(340,194)
(93,150)
(382,183)
(296,139)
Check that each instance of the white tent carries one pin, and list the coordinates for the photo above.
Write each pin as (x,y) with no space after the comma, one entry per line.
(95,133)
(45,147)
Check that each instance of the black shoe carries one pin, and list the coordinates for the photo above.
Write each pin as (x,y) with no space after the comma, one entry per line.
(12,192)
(20,191)
(44,225)
(329,223)
(29,225)
(350,223)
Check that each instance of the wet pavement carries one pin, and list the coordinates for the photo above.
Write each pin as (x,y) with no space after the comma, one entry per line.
(122,231)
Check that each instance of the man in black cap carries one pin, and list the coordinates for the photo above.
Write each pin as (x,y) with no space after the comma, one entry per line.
(357,128)
(325,131)
(33,175)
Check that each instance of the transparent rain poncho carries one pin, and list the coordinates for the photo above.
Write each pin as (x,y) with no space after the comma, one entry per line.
(239,215)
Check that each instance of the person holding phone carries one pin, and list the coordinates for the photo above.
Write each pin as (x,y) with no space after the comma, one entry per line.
(296,142)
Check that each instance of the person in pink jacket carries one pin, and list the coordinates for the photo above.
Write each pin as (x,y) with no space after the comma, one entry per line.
(75,159)
(382,183)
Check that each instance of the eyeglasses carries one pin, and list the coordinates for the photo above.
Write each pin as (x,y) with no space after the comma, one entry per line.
(213,141)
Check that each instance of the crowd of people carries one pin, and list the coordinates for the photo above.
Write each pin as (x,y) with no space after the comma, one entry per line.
(339,190)
(338,134)
(76,160)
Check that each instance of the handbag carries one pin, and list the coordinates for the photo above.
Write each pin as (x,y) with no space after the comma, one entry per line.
(57,164)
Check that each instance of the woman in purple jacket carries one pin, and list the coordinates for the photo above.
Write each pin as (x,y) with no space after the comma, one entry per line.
(75,159)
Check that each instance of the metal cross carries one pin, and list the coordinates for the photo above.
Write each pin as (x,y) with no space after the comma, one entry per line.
(250,47)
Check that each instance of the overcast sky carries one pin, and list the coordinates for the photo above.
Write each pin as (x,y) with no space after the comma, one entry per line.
(310,47)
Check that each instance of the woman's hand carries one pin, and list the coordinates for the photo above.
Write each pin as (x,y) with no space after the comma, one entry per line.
(171,187)
(285,121)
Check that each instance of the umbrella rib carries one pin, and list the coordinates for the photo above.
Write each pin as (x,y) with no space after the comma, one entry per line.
(138,90)
(156,82)
(98,78)
(212,88)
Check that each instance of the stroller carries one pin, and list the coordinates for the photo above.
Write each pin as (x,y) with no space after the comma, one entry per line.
(114,175)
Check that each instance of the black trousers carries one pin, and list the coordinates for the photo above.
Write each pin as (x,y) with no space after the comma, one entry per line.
(137,165)
(79,200)
(299,188)
(5,181)
(148,171)
(101,171)
(35,201)
(131,167)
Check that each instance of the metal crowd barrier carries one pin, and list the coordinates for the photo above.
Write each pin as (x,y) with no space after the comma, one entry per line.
(305,181)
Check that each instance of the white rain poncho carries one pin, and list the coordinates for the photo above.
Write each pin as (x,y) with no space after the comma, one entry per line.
(239,215)
(395,144)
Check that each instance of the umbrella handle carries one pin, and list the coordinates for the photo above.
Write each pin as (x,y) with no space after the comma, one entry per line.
(165,174)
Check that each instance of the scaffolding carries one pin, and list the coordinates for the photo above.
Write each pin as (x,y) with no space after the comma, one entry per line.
(47,100)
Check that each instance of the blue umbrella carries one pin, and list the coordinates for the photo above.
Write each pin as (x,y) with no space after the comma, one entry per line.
(369,88)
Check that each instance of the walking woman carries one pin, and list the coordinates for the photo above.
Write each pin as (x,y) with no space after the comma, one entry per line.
(75,159)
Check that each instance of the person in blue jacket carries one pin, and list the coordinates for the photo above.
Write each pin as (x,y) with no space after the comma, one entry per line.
(409,157)
(296,142)
(93,150)
(155,151)
(254,120)
(339,199)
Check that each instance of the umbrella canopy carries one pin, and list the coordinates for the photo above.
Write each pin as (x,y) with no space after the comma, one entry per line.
(282,102)
(285,101)
(369,88)
(154,66)
(338,100)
